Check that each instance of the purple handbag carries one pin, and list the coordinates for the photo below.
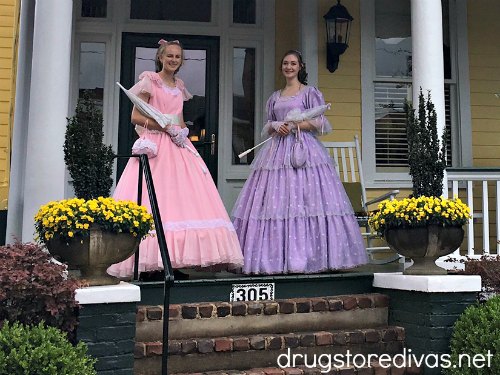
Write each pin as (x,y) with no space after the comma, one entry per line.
(298,154)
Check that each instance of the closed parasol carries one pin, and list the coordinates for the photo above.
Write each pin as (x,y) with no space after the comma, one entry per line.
(163,119)
(295,115)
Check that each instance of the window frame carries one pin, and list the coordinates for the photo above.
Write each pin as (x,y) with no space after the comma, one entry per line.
(460,95)
(239,171)
(97,20)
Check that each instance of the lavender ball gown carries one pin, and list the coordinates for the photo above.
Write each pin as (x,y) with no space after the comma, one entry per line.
(296,220)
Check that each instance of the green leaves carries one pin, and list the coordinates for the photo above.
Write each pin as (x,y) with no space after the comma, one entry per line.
(89,161)
(477,332)
(427,161)
(41,350)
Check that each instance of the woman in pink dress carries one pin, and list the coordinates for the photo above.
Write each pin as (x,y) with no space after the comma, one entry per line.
(197,227)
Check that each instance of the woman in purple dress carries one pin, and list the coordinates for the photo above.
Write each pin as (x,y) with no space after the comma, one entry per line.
(289,219)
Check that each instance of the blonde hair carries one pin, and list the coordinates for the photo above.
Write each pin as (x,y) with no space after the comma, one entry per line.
(161,50)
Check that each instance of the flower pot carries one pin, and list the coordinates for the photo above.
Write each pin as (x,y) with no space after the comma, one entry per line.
(424,246)
(94,254)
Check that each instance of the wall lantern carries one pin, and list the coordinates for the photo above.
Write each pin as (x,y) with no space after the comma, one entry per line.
(338,22)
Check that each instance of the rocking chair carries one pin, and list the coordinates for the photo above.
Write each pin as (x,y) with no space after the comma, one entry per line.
(347,160)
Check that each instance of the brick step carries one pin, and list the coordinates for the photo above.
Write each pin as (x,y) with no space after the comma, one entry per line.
(373,369)
(281,316)
(244,352)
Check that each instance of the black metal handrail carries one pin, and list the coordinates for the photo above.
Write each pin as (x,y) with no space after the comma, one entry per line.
(145,170)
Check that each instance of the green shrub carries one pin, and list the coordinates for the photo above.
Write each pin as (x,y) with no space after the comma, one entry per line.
(41,350)
(426,159)
(89,161)
(477,331)
(33,288)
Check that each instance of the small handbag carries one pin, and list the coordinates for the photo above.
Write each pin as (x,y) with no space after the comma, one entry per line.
(145,146)
(298,154)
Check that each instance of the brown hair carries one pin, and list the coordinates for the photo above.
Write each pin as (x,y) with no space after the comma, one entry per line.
(302,75)
(161,50)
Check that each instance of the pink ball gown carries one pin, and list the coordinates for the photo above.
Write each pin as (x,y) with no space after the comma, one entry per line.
(197,227)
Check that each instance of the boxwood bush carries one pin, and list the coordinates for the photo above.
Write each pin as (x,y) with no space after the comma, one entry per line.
(41,350)
(89,160)
(477,333)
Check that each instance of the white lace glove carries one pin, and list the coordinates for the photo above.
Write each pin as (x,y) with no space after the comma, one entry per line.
(178,136)
(276,125)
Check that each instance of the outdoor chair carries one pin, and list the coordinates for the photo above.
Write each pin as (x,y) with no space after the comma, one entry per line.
(347,160)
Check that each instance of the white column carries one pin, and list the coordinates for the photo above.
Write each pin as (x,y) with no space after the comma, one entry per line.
(308,37)
(44,178)
(427,55)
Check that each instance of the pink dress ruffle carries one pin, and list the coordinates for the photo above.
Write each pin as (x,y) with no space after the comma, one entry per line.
(197,227)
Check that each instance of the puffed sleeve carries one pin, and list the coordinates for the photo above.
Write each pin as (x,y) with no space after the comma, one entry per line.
(186,95)
(271,122)
(314,98)
(143,86)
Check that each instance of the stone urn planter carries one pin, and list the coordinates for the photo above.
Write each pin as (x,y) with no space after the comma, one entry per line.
(424,246)
(94,254)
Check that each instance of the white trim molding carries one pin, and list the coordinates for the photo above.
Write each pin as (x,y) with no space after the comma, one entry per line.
(121,293)
(428,284)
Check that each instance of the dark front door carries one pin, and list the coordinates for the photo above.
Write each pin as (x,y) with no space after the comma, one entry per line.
(200,74)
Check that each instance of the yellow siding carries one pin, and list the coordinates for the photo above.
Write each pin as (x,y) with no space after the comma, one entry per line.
(484,59)
(343,87)
(9,13)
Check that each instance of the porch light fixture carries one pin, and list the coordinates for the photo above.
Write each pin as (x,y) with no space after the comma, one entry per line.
(338,25)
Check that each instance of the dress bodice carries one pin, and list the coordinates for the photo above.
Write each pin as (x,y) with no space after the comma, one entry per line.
(308,97)
(285,104)
(164,98)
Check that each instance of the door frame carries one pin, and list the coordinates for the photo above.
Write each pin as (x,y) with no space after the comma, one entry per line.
(126,133)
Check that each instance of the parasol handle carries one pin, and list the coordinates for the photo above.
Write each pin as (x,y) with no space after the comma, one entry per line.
(253,148)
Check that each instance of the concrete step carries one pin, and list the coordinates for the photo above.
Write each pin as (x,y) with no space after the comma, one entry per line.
(214,319)
(263,350)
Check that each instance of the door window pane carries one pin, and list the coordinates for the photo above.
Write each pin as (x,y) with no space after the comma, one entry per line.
(193,73)
(244,11)
(92,68)
(172,10)
(94,8)
(243,104)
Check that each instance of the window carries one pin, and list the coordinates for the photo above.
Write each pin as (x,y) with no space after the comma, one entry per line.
(92,70)
(243,136)
(94,8)
(244,11)
(193,73)
(172,10)
(391,86)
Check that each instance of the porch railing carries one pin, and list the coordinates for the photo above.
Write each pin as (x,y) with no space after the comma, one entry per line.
(480,189)
(145,170)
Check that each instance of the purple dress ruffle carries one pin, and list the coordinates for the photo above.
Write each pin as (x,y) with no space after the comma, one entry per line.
(296,220)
